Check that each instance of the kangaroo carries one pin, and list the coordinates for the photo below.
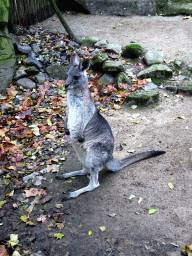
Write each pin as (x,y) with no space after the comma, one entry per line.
(90,133)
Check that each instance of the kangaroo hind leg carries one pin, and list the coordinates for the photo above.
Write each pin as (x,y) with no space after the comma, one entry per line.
(72,174)
(94,183)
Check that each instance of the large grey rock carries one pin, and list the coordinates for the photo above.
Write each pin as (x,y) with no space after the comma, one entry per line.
(7,58)
(57,71)
(89,41)
(101,43)
(157,71)
(124,7)
(26,83)
(143,97)
(123,78)
(40,78)
(114,48)
(154,57)
(20,73)
(99,59)
(113,66)
(106,79)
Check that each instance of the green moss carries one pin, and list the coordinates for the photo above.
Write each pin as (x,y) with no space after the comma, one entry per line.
(158,80)
(4,11)
(132,51)
(6,49)
(142,97)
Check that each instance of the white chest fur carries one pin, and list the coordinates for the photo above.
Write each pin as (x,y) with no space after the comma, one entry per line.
(75,112)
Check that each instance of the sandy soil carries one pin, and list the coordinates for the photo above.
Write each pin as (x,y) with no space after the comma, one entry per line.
(172,35)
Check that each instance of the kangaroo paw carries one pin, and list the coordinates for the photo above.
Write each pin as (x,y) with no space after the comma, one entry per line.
(60,177)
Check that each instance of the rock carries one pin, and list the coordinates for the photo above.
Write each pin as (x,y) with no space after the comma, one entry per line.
(157,71)
(113,66)
(20,73)
(101,43)
(57,71)
(150,86)
(106,79)
(189,67)
(32,70)
(40,78)
(26,83)
(32,61)
(123,78)
(89,41)
(25,49)
(153,57)
(114,48)
(98,59)
(143,97)
(34,96)
(124,7)
(171,88)
(7,57)
(132,51)
(178,64)
(36,48)
(185,87)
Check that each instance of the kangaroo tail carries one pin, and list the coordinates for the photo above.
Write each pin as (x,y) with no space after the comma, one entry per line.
(116,165)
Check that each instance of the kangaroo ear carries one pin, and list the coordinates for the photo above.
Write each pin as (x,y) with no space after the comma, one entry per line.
(85,65)
(74,59)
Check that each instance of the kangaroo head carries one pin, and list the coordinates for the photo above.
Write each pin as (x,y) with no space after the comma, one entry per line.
(77,78)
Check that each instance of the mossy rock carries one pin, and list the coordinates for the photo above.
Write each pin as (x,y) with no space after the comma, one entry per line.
(99,59)
(123,78)
(185,87)
(142,97)
(156,71)
(89,41)
(113,66)
(132,51)
(4,11)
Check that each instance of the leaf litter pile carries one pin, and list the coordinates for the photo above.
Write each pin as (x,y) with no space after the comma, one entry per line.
(32,138)
(30,129)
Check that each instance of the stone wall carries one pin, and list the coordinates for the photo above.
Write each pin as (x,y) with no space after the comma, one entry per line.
(7,56)
(124,7)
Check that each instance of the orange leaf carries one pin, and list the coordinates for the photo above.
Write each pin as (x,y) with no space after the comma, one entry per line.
(35,192)
(3,251)
(3,131)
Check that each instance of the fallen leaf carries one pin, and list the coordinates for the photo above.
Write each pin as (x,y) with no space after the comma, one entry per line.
(90,232)
(140,200)
(112,215)
(13,240)
(103,228)
(170,185)
(133,106)
(131,197)
(58,235)
(152,211)
(24,218)
(3,251)
(35,192)
(2,203)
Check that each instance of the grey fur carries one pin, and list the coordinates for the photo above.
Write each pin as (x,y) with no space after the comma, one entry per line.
(90,133)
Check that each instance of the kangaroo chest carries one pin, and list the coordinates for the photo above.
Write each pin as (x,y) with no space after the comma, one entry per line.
(75,113)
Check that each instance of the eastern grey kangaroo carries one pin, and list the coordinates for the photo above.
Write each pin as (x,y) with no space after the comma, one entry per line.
(90,133)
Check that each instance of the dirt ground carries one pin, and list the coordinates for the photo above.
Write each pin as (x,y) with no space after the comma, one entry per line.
(166,126)
(129,230)
(172,34)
